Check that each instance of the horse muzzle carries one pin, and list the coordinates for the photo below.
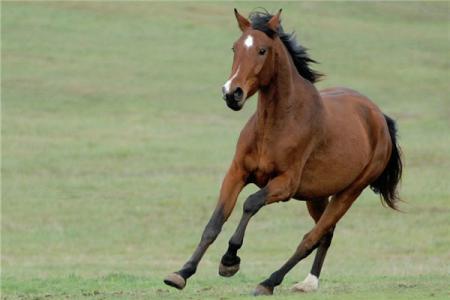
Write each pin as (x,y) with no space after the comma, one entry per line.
(234,99)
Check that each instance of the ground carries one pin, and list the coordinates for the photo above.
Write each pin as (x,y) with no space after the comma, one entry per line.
(115,140)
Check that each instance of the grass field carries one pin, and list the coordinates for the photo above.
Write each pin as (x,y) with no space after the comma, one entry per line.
(115,141)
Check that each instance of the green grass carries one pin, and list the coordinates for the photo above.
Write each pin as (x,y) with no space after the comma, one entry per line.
(115,141)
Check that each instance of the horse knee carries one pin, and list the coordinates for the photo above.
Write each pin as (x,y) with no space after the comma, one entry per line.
(254,202)
(213,228)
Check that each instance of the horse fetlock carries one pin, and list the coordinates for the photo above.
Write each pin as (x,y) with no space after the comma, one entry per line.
(188,270)
(230,260)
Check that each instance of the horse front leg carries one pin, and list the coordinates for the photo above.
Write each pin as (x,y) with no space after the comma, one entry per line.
(232,185)
(278,189)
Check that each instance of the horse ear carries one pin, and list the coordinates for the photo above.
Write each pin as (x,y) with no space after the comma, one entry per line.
(274,22)
(242,22)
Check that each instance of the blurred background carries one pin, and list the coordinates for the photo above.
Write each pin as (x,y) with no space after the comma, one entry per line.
(115,140)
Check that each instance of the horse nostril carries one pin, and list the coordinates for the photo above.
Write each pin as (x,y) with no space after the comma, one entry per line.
(238,93)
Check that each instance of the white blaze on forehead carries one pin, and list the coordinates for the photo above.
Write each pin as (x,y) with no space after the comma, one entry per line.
(248,41)
(228,83)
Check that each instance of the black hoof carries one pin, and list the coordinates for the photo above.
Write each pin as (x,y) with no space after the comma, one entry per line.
(228,271)
(175,280)
(262,291)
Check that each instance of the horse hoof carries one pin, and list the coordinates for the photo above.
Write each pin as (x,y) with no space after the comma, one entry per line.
(175,280)
(262,291)
(228,271)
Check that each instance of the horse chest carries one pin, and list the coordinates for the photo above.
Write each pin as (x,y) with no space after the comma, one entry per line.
(263,168)
(265,157)
(260,178)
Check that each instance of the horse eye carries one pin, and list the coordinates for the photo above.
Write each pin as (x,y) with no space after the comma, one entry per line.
(262,51)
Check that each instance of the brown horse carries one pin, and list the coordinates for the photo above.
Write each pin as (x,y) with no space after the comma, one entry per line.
(300,144)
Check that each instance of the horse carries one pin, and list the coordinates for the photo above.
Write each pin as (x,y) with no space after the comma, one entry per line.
(323,148)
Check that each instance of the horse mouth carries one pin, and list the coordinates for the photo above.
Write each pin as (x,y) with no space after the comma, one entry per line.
(235,105)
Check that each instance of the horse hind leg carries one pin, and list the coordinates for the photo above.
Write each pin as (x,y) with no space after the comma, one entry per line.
(311,282)
(335,209)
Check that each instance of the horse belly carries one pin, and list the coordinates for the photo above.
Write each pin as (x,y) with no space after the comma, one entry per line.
(329,172)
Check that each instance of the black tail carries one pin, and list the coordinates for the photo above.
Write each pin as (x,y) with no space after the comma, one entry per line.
(386,184)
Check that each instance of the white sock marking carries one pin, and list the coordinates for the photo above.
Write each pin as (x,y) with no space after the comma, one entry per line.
(228,83)
(248,41)
(310,284)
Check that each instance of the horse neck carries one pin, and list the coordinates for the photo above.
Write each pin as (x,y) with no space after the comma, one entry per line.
(287,95)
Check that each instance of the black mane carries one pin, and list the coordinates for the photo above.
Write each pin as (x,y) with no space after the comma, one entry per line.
(298,53)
